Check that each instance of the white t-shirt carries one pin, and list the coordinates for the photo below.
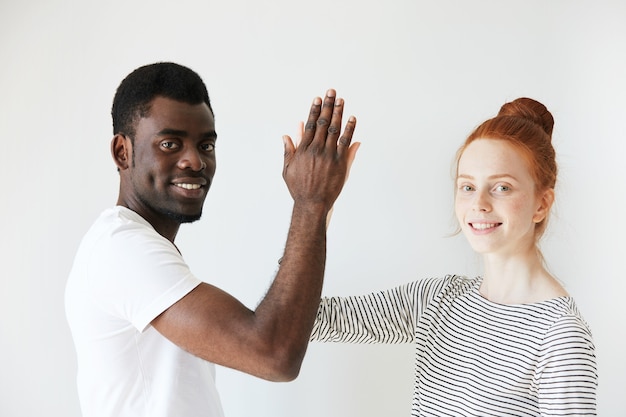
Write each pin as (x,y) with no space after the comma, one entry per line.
(124,275)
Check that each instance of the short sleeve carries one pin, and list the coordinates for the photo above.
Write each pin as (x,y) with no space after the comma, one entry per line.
(136,274)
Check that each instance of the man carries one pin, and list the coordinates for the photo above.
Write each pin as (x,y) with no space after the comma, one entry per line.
(147,331)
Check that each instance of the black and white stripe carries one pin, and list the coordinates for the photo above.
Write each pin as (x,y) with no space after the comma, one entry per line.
(475,357)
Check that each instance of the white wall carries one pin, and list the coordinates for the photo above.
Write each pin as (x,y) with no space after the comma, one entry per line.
(419,75)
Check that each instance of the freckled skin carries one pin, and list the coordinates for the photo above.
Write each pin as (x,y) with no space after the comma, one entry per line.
(495,186)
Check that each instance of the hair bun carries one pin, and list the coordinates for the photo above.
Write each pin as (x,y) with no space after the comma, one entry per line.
(529,109)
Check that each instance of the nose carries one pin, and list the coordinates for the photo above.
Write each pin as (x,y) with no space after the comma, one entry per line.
(481,201)
(191,159)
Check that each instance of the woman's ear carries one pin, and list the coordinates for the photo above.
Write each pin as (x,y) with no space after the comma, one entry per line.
(121,149)
(546,199)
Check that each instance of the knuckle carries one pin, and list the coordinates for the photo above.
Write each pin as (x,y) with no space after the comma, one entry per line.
(322,121)
(313,149)
(333,130)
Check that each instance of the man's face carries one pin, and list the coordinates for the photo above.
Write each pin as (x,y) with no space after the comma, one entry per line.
(172,163)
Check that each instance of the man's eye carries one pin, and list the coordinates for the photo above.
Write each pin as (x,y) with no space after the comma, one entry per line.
(208,147)
(168,145)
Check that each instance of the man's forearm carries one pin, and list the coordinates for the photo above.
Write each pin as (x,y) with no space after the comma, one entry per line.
(288,310)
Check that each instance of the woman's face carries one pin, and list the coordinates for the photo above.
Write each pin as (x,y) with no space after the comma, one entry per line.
(496,202)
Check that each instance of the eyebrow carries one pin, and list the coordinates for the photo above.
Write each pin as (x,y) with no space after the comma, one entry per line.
(491,177)
(176,132)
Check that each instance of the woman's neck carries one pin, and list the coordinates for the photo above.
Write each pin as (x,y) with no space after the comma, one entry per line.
(519,279)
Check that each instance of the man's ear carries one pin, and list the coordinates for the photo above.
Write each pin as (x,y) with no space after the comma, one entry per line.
(121,149)
(545,203)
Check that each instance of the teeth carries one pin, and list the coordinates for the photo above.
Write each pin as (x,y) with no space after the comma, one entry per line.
(483,226)
(189,186)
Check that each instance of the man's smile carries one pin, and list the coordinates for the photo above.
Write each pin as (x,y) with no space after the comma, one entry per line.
(188,186)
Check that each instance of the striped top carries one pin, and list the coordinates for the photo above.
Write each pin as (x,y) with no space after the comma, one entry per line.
(474,357)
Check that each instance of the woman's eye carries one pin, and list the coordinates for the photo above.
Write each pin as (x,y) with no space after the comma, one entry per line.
(503,188)
(466,188)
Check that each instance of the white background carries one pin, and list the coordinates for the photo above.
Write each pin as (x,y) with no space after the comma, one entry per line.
(419,76)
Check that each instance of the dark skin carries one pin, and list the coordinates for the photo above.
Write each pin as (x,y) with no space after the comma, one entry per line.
(174,164)
(173,148)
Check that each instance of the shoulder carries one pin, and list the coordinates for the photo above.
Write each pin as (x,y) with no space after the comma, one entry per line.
(567,315)
(567,351)
(121,232)
(120,221)
(116,222)
(428,290)
(451,281)
(458,285)
(567,328)
(122,249)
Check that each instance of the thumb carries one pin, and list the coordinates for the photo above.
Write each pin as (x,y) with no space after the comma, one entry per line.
(289,151)
(289,146)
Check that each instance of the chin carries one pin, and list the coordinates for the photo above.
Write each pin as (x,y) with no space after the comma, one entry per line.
(189,219)
(481,248)
(184,218)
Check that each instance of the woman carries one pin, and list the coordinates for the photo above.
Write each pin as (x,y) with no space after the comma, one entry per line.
(509,342)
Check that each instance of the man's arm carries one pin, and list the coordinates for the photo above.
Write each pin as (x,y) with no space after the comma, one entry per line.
(271,341)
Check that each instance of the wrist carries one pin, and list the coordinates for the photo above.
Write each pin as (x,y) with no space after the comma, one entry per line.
(313,210)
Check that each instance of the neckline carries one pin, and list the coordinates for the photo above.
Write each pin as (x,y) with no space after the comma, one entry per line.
(549,301)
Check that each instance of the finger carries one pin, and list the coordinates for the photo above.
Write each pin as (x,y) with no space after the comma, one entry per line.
(311,123)
(323,121)
(299,133)
(346,138)
(334,129)
(290,149)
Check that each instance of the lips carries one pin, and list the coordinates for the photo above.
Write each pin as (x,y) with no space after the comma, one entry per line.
(190,183)
(191,187)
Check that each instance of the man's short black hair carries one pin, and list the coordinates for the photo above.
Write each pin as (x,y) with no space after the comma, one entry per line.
(166,79)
